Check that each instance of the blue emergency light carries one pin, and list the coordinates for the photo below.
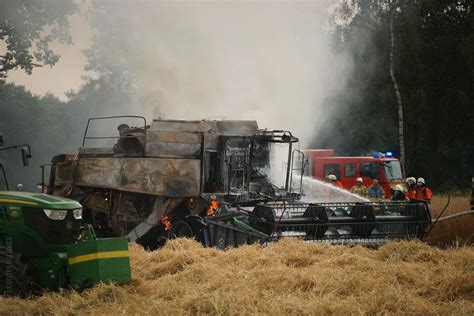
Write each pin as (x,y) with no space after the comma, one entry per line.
(378,154)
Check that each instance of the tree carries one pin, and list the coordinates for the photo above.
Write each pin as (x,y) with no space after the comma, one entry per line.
(112,54)
(432,60)
(24,23)
(401,138)
(39,121)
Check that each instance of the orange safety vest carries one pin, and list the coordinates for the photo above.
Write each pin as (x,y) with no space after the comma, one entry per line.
(411,193)
(423,193)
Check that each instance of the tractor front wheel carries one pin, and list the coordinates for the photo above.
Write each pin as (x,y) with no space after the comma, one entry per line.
(14,277)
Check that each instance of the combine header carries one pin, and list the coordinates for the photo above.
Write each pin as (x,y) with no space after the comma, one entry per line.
(209,180)
(348,222)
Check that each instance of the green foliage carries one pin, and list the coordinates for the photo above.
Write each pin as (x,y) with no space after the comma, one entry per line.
(33,120)
(434,58)
(27,22)
(52,126)
(114,65)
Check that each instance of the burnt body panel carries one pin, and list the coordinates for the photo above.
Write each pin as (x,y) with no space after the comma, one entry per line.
(156,176)
(179,159)
(173,144)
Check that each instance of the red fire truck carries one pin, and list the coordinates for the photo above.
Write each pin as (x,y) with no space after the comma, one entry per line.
(380,166)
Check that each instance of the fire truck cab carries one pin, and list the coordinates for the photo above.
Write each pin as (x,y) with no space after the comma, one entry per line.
(382,167)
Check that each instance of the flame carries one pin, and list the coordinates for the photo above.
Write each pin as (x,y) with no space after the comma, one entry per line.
(166,221)
(213,206)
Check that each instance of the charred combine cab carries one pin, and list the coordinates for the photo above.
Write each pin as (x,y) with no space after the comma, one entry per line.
(210,180)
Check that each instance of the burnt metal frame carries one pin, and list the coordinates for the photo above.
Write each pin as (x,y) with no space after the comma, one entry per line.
(15,146)
(5,177)
(281,136)
(303,166)
(43,184)
(273,136)
(107,118)
(3,168)
(229,164)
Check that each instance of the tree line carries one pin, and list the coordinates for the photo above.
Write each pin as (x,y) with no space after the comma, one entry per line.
(434,67)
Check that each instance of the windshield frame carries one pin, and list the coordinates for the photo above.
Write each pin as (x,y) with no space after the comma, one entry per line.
(263,137)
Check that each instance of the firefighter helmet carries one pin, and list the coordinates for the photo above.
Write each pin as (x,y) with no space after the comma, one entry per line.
(420,180)
(398,187)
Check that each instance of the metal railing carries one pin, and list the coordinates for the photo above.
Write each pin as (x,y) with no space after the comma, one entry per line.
(85,137)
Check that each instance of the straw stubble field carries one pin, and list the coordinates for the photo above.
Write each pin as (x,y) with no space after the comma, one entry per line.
(458,230)
(288,277)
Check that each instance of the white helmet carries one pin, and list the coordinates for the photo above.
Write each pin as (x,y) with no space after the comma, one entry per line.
(19,187)
(398,187)
(331,177)
(410,179)
(359,179)
(420,180)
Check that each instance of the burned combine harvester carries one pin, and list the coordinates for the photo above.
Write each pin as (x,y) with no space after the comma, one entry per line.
(208,179)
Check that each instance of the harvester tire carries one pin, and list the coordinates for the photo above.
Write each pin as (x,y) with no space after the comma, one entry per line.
(14,277)
(181,229)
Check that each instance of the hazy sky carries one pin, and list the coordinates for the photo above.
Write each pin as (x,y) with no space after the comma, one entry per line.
(66,74)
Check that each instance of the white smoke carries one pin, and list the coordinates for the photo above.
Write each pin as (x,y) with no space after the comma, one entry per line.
(266,61)
(272,62)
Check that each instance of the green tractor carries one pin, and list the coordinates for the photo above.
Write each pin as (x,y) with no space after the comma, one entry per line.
(44,246)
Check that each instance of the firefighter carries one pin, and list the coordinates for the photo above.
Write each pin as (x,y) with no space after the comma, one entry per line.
(410,187)
(422,191)
(398,193)
(333,180)
(360,188)
(376,191)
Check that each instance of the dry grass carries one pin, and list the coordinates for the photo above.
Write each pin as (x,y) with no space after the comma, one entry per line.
(288,277)
(459,230)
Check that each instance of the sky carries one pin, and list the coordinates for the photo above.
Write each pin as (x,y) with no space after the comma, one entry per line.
(67,73)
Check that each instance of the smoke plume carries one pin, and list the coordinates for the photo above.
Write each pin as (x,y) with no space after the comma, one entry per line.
(266,61)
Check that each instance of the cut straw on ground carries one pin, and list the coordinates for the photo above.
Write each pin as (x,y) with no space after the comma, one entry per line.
(288,277)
